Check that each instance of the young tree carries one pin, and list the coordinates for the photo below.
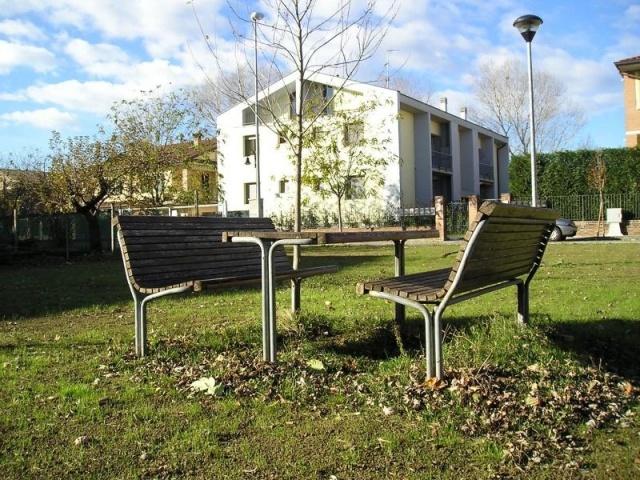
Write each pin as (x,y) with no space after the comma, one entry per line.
(306,37)
(346,154)
(154,134)
(597,179)
(503,93)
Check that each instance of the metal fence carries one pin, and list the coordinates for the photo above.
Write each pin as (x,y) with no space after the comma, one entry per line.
(56,233)
(68,233)
(587,207)
(457,218)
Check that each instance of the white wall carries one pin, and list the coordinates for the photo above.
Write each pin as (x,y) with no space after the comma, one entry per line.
(408,177)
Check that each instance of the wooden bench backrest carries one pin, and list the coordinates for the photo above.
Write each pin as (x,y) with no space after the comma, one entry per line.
(166,252)
(504,242)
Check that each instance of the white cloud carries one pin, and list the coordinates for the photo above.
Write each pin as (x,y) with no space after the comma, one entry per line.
(15,29)
(93,97)
(14,55)
(164,27)
(85,53)
(101,60)
(48,118)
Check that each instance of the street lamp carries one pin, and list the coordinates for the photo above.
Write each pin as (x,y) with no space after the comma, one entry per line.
(527,25)
(255,18)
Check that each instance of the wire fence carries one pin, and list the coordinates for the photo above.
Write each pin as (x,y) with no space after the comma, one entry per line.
(68,232)
(64,233)
(587,207)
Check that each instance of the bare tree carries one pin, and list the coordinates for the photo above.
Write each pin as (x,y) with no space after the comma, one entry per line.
(306,37)
(417,88)
(503,93)
(219,93)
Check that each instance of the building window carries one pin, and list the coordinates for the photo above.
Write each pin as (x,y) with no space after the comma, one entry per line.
(353,133)
(292,104)
(249,147)
(327,97)
(204,181)
(249,192)
(356,188)
(283,186)
(248,116)
(318,133)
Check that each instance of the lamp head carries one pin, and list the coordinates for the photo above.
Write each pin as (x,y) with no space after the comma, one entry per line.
(527,25)
(257,16)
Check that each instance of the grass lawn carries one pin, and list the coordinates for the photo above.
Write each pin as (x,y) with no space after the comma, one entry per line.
(348,398)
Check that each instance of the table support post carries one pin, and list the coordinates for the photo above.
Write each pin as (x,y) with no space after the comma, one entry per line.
(267,353)
(398,247)
(295,295)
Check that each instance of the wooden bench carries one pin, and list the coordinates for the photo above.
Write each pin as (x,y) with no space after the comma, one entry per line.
(167,255)
(503,247)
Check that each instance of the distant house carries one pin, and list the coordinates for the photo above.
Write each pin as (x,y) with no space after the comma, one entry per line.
(191,178)
(629,68)
(435,151)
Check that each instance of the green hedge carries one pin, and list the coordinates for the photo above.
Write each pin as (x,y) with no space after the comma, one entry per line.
(567,172)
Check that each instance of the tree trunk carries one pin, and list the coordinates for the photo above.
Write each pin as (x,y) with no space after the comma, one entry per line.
(95,240)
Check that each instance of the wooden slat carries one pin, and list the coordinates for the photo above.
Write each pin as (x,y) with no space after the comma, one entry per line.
(165,252)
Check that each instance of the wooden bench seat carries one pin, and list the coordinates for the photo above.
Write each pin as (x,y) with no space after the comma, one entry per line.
(167,255)
(503,247)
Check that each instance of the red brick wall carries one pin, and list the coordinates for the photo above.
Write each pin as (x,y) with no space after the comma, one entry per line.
(590,229)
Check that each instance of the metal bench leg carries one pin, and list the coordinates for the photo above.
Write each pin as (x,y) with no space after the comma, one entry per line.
(428,328)
(140,307)
(437,340)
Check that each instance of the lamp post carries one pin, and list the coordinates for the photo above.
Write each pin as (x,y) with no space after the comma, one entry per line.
(527,25)
(255,18)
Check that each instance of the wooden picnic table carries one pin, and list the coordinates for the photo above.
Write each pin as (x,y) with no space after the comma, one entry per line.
(269,240)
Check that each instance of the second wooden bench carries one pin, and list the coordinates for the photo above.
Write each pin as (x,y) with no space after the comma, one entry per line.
(503,247)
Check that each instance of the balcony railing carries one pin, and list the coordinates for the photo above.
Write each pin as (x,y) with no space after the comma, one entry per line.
(441,161)
(486,171)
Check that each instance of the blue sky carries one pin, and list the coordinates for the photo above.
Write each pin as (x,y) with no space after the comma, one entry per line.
(63,63)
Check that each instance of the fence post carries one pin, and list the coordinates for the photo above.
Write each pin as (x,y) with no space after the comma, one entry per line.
(15,229)
(112,228)
(473,209)
(441,216)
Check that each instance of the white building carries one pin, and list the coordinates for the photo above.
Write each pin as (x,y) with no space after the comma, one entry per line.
(434,151)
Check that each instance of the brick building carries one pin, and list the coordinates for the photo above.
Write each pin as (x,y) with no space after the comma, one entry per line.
(629,68)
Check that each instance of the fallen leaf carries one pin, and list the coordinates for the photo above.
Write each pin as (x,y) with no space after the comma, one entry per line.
(82,440)
(626,388)
(434,383)
(316,365)
(208,385)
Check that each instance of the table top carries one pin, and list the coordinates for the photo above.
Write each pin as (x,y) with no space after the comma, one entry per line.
(325,238)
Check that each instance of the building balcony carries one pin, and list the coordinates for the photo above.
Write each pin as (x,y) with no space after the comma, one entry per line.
(441,161)
(486,171)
